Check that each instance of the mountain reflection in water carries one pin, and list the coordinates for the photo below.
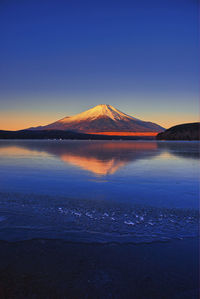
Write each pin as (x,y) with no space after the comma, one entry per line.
(98,157)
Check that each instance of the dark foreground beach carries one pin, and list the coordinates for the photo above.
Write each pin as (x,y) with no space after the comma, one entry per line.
(59,269)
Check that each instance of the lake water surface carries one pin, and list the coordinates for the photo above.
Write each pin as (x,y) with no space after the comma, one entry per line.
(99,191)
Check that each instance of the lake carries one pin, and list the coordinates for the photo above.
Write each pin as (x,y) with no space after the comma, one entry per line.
(99,191)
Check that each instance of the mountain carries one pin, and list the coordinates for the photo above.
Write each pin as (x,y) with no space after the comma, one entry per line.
(189,131)
(100,119)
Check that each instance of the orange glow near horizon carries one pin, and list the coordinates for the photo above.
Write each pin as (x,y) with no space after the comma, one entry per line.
(126,133)
(19,120)
(15,121)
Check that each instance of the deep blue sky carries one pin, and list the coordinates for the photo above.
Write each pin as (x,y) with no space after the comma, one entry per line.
(59,58)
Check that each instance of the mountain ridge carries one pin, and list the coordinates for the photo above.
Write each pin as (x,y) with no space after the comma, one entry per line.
(102,118)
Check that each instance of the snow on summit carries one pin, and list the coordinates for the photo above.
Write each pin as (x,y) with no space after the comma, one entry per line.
(102,118)
(102,110)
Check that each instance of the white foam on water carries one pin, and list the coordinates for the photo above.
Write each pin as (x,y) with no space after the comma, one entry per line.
(106,214)
(77,214)
(89,215)
(129,222)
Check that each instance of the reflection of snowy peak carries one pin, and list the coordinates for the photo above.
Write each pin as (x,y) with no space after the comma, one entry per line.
(102,118)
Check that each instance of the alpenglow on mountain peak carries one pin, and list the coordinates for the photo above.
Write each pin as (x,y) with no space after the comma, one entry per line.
(102,118)
(102,110)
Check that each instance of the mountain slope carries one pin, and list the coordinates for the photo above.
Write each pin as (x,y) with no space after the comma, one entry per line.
(102,118)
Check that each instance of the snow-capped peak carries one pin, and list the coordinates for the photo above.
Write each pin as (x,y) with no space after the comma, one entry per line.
(102,118)
(102,110)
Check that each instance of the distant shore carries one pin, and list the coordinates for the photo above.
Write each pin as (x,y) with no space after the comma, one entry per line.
(59,134)
(188,132)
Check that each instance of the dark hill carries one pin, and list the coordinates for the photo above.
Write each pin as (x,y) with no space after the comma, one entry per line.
(189,131)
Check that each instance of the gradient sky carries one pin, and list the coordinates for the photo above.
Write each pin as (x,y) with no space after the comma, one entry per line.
(59,58)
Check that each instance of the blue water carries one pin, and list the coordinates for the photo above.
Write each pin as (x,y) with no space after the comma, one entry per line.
(99,191)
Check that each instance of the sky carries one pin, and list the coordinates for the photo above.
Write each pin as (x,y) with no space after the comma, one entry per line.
(59,58)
